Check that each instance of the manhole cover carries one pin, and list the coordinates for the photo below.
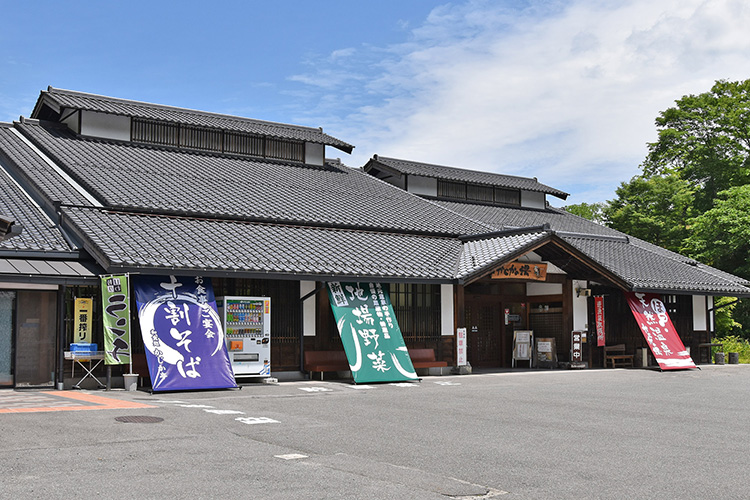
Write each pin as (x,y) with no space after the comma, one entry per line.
(139,419)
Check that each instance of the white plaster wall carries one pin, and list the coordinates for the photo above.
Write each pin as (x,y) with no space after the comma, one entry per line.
(105,125)
(422,185)
(580,307)
(315,154)
(533,289)
(308,308)
(699,313)
(446,310)
(711,306)
(533,200)
(71,121)
(532,257)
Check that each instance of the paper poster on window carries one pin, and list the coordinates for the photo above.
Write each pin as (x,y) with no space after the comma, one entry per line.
(182,333)
(370,333)
(660,334)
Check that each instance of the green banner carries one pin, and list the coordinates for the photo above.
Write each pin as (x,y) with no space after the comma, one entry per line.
(369,331)
(116,319)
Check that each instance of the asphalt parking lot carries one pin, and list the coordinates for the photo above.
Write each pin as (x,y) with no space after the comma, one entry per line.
(592,434)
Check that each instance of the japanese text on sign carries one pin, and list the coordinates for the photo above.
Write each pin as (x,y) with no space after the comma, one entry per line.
(522,270)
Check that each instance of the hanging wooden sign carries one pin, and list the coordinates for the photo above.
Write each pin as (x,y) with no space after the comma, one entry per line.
(535,271)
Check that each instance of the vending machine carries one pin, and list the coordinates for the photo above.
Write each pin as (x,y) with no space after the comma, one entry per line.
(247,324)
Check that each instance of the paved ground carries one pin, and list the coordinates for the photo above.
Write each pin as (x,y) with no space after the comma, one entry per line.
(594,434)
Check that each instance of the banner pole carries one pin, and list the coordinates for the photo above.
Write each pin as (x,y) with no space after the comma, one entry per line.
(130,310)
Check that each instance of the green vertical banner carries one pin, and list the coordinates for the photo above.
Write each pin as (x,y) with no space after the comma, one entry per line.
(116,319)
(369,331)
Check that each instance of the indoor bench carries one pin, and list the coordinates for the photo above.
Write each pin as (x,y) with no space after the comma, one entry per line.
(425,358)
(325,361)
(615,356)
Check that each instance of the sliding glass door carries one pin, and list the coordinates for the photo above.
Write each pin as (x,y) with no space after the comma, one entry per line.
(6,338)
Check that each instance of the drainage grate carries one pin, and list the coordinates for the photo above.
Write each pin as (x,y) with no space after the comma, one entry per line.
(139,419)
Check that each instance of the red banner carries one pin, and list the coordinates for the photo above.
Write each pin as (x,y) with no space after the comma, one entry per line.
(657,328)
(599,310)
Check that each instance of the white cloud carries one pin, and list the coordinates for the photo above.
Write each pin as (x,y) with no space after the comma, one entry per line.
(568,94)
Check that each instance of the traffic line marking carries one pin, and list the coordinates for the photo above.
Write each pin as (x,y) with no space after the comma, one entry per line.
(256,420)
(291,456)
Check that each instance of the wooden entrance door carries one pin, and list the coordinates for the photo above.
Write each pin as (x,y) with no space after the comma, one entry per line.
(484,328)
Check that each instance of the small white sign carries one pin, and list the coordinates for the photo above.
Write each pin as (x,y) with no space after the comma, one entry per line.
(461,347)
(544,346)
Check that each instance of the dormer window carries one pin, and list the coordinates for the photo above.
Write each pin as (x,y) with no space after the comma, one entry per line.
(478,192)
(211,139)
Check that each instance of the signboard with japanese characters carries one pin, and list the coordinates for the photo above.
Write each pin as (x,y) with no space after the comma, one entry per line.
(461,347)
(535,271)
(660,334)
(369,331)
(599,314)
(182,333)
(576,348)
(116,319)
(84,309)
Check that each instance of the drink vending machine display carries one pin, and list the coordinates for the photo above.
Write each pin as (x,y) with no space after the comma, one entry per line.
(247,325)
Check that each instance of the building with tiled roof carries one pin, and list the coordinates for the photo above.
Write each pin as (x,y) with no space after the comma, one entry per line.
(101,185)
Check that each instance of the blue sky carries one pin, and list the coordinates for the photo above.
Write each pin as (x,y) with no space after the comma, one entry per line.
(566,91)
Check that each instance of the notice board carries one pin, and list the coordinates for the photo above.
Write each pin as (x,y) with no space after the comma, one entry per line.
(522,342)
(546,353)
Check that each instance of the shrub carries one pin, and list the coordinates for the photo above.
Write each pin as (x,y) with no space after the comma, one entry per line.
(734,343)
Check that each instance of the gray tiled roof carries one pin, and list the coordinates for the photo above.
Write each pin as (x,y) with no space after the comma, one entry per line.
(480,256)
(648,270)
(37,172)
(501,218)
(642,265)
(39,234)
(128,241)
(463,175)
(142,178)
(60,98)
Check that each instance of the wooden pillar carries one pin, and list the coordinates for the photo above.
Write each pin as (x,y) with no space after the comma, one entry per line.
(459,315)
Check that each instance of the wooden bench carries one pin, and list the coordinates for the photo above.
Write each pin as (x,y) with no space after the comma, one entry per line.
(325,361)
(617,360)
(425,358)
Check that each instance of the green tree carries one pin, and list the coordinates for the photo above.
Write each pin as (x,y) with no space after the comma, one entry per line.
(720,237)
(655,209)
(591,211)
(705,139)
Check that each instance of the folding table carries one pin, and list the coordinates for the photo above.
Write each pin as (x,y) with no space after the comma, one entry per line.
(82,357)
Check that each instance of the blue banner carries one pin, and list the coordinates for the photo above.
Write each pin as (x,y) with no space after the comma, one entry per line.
(182,333)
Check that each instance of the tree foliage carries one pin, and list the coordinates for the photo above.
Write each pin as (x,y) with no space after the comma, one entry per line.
(591,211)
(705,139)
(720,237)
(694,194)
(655,209)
